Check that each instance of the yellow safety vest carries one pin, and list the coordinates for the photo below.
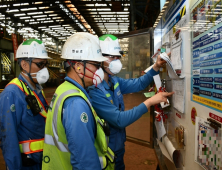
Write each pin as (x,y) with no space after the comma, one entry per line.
(34,145)
(56,154)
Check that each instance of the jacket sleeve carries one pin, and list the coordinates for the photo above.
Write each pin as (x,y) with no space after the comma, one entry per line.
(137,84)
(10,116)
(111,113)
(79,125)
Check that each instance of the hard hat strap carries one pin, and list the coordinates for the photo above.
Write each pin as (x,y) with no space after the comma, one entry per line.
(28,74)
(71,63)
(103,67)
(83,82)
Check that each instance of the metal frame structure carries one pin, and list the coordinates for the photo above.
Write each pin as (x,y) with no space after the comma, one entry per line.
(150,143)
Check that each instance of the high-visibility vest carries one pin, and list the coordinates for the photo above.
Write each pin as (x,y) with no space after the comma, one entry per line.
(34,145)
(56,154)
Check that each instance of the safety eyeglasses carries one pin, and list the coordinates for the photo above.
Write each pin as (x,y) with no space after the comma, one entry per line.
(97,65)
(111,56)
(41,64)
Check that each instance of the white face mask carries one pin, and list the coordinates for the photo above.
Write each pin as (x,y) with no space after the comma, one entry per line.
(42,75)
(115,66)
(98,76)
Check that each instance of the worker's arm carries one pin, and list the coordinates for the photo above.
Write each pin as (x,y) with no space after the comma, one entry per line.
(80,129)
(111,113)
(10,116)
(137,84)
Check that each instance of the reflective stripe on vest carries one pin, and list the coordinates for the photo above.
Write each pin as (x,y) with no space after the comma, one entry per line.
(17,82)
(52,141)
(31,146)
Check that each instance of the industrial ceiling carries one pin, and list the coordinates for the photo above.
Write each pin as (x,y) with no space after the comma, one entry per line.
(54,21)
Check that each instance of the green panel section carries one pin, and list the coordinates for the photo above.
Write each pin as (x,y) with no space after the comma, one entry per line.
(28,42)
(204,134)
(102,38)
(209,138)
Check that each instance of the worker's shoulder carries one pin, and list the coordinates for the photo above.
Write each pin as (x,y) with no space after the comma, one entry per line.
(10,90)
(94,90)
(75,101)
(76,104)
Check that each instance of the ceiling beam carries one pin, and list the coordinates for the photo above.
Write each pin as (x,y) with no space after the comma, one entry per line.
(141,14)
(146,9)
(95,28)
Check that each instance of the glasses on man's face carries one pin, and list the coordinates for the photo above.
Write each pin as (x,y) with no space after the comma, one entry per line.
(115,57)
(97,65)
(41,64)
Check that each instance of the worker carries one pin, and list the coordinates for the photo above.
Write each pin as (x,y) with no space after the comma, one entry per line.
(107,99)
(23,109)
(75,137)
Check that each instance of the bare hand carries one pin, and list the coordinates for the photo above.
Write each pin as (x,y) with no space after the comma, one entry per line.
(159,62)
(158,98)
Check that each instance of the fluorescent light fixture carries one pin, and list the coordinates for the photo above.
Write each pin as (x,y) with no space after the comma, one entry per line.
(38,2)
(24,17)
(46,7)
(22,14)
(14,10)
(56,17)
(55,26)
(47,12)
(28,9)
(34,13)
(39,16)
(52,15)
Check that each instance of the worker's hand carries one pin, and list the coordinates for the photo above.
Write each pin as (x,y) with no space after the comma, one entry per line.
(159,62)
(158,98)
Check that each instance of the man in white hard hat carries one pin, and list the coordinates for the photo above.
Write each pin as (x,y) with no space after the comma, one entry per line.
(23,109)
(107,98)
(75,137)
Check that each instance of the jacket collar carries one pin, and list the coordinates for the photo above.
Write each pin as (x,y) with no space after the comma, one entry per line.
(38,86)
(77,85)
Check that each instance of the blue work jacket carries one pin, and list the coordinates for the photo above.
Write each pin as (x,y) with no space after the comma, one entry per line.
(80,135)
(17,124)
(114,112)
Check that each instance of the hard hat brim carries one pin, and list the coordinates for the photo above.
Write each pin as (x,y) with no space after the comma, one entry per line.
(43,57)
(113,54)
(98,59)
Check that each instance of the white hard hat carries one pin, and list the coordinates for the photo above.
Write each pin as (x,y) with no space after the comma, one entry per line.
(82,46)
(110,45)
(32,48)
